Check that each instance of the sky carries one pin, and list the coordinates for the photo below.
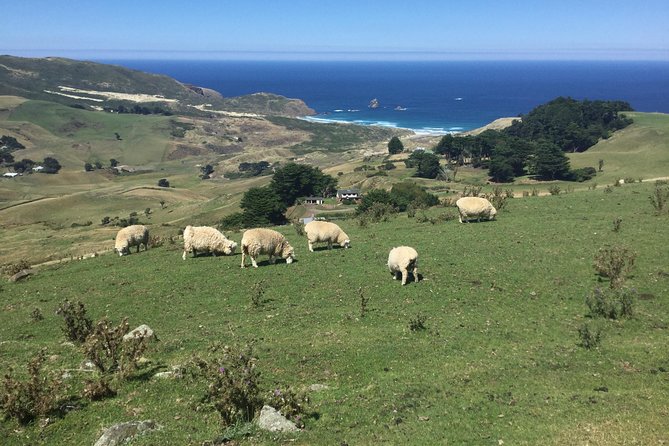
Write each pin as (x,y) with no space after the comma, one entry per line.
(341,29)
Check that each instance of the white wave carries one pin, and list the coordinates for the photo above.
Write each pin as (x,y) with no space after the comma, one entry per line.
(352,110)
(338,111)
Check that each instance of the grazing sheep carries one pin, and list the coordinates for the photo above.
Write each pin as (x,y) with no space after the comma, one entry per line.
(475,208)
(402,260)
(206,239)
(134,235)
(265,241)
(323,231)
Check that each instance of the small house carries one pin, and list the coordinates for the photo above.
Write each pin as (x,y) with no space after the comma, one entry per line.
(38,168)
(348,194)
(314,200)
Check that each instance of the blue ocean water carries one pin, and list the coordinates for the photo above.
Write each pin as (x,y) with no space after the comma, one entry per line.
(426,96)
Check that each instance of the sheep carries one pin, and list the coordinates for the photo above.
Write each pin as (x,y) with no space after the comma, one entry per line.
(402,260)
(265,241)
(475,208)
(134,235)
(206,239)
(323,231)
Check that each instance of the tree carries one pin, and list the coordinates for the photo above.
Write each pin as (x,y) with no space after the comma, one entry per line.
(98,165)
(206,171)
(500,170)
(298,180)
(374,196)
(113,162)
(6,157)
(426,164)
(409,193)
(88,167)
(262,205)
(601,165)
(23,165)
(395,145)
(163,182)
(51,165)
(551,163)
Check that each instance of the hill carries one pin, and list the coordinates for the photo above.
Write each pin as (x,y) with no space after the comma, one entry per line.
(94,85)
(484,349)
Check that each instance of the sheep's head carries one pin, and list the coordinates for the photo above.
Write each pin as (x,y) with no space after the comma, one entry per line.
(288,253)
(493,212)
(232,246)
(122,251)
(347,243)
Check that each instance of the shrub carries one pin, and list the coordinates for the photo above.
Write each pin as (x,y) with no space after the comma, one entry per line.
(363,302)
(232,383)
(411,211)
(608,189)
(257,294)
(37,396)
(471,191)
(583,174)
(535,192)
(611,303)
(379,212)
(14,268)
(417,323)
(617,222)
(554,189)
(36,315)
(299,228)
(615,263)
(659,198)
(590,338)
(526,193)
(232,222)
(109,353)
(498,198)
(77,324)
(289,403)
(163,182)
(629,180)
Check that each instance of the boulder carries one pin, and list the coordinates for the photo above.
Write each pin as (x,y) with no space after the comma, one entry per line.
(22,275)
(120,433)
(143,331)
(271,420)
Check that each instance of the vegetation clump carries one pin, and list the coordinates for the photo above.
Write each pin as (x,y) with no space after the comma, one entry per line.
(615,263)
(77,323)
(611,303)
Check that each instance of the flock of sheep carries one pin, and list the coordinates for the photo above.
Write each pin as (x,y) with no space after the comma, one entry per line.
(402,260)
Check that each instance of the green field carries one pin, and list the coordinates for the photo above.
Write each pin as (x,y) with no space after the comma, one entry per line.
(499,358)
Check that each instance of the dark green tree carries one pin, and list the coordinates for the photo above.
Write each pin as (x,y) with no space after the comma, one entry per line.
(88,167)
(51,165)
(410,193)
(374,196)
(298,180)
(395,145)
(113,162)
(550,163)
(426,164)
(163,182)
(261,206)
(500,170)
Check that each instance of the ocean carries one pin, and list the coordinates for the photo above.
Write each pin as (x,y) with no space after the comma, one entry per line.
(427,97)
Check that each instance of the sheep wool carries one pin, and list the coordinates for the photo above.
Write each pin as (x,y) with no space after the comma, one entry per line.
(477,208)
(206,239)
(134,235)
(325,232)
(265,241)
(402,260)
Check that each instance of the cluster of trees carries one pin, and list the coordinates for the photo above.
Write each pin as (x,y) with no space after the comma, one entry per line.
(50,165)
(141,110)
(8,144)
(401,196)
(267,205)
(536,144)
(89,167)
(426,164)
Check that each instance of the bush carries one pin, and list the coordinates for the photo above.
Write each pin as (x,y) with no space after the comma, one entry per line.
(498,198)
(554,189)
(583,174)
(615,263)
(35,397)
(14,268)
(163,182)
(77,324)
(232,383)
(417,323)
(589,338)
(299,228)
(379,212)
(659,198)
(289,403)
(109,353)
(232,222)
(611,303)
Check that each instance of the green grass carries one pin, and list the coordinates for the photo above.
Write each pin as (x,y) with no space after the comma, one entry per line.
(499,359)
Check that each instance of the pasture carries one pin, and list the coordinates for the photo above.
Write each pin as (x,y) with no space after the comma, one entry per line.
(498,360)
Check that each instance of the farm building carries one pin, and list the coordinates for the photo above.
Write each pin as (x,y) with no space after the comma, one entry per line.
(314,200)
(348,194)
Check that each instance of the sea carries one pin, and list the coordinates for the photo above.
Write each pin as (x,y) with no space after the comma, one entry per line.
(432,97)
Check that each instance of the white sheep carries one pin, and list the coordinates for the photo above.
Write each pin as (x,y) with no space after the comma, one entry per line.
(475,208)
(323,231)
(401,260)
(134,235)
(265,241)
(206,239)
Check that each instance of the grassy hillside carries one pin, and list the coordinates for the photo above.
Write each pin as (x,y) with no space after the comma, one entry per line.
(638,151)
(498,361)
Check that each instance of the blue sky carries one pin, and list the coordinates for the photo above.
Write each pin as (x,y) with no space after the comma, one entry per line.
(341,29)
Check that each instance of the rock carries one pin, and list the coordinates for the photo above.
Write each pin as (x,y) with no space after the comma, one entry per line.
(374,103)
(22,275)
(271,420)
(318,387)
(87,366)
(164,375)
(143,331)
(120,433)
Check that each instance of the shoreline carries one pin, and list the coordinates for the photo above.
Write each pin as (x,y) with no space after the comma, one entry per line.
(422,131)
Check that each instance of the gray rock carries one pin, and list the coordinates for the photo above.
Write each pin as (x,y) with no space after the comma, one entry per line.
(87,366)
(318,387)
(271,420)
(120,433)
(22,275)
(143,331)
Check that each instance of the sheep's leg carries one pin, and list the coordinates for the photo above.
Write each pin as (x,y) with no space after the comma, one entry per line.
(138,245)
(243,257)
(394,274)
(405,275)
(253,261)
(272,260)
(415,274)
(329,244)
(184,255)
(311,247)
